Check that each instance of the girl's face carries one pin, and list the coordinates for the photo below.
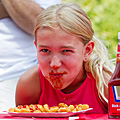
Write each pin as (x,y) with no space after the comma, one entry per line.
(60,56)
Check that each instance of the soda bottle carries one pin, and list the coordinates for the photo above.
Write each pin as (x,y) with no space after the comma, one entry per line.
(114,88)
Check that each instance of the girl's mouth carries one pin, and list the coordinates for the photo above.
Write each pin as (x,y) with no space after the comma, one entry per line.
(57,75)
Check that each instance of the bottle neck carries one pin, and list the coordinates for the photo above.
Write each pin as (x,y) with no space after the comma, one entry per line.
(116,74)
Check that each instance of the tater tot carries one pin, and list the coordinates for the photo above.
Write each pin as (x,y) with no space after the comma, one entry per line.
(17,110)
(62,105)
(40,107)
(78,108)
(46,108)
(54,109)
(64,109)
(84,106)
(24,110)
(71,107)
(11,110)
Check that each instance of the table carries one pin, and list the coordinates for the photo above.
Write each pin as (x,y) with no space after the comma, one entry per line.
(94,117)
(81,117)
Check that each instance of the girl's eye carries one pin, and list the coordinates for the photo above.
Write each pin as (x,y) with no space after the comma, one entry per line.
(67,50)
(45,50)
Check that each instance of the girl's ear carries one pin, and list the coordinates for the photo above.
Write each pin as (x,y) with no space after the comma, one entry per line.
(88,50)
(35,43)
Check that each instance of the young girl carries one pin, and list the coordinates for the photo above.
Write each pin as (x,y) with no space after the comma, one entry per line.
(73,65)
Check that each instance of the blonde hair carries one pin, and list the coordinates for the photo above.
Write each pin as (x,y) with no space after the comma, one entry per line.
(72,19)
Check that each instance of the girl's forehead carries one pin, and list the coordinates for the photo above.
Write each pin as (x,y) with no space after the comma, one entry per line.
(55,33)
(57,38)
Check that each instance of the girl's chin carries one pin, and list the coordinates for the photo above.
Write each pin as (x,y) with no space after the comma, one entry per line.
(57,87)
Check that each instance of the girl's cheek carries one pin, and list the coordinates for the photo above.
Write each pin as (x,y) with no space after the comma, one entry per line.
(42,58)
(44,63)
(71,62)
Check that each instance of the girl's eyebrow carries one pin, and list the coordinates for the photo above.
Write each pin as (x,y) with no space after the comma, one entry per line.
(68,46)
(43,46)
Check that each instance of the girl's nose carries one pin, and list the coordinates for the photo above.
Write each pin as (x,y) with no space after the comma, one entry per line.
(55,62)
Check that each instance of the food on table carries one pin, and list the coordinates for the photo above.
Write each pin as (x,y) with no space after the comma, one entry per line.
(36,108)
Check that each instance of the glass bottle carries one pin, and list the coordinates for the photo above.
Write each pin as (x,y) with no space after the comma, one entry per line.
(114,88)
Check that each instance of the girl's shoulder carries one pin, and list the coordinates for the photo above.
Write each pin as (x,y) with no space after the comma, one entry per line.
(28,87)
(31,75)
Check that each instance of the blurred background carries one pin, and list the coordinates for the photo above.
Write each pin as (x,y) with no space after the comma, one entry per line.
(105,18)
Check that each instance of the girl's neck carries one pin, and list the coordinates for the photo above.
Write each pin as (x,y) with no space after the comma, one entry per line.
(76,84)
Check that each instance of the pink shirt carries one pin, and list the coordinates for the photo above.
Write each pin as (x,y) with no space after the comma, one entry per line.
(85,94)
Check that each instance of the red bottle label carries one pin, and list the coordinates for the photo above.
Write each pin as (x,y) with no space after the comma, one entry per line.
(118,50)
(114,100)
(118,54)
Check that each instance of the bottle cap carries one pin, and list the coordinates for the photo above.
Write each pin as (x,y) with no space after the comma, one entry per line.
(118,35)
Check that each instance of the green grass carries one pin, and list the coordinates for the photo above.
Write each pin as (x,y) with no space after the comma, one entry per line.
(105,18)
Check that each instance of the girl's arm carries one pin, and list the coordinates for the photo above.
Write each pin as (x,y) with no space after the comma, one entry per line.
(28,88)
(23,13)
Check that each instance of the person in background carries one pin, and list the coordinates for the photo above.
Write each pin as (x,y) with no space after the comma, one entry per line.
(17,50)
(73,64)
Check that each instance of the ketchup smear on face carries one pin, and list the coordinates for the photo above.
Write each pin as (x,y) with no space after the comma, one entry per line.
(56,79)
